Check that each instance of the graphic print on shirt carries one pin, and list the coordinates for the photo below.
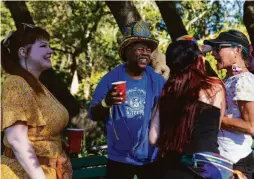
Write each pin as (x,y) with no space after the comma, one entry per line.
(135,103)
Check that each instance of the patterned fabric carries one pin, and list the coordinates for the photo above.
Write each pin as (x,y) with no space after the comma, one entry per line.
(45,117)
(63,167)
(187,37)
(137,32)
(140,29)
(211,165)
(235,146)
(245,88)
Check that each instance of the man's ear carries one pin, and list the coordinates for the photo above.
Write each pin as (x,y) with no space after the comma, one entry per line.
(22,52)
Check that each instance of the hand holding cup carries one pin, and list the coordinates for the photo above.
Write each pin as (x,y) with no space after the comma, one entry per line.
(117,94)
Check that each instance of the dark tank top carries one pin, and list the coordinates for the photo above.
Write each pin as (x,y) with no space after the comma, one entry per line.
(204,136)
(206,128)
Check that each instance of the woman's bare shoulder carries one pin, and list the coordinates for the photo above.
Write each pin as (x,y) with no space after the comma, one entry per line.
(213,96)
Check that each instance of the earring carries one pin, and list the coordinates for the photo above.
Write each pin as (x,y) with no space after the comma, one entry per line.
(236,68)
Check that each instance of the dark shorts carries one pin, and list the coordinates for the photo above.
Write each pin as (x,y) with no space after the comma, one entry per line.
(118,170)
(246,166)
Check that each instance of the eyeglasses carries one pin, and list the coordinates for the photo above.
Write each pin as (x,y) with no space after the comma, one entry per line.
(220,46)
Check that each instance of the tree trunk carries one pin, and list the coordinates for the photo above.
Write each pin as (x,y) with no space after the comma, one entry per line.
(49,78)
(172,19)
(124,12)
(19,13)
(248,19)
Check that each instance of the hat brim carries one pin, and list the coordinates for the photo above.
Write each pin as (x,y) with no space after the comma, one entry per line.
(206,48)
(152,43)
(214,42)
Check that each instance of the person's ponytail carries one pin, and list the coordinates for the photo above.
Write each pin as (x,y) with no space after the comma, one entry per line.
(7,63)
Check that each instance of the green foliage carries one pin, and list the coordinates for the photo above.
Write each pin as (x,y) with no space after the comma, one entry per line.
(7,24)
(85,35)
(79,30)
(150,12)
(202,19)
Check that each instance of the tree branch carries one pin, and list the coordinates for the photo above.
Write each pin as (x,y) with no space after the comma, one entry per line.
(62,51)
(195,19)
(172,19)
(124,12)
(19,13)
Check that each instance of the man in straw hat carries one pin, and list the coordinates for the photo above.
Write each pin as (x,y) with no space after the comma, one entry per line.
(127,121)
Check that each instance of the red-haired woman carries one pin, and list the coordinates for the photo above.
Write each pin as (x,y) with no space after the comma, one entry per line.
(32,119)
(188,116)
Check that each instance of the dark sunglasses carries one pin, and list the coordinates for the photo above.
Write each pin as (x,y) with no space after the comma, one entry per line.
(217,48)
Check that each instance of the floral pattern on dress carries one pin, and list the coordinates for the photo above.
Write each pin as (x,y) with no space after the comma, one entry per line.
(238,87)
(45,117)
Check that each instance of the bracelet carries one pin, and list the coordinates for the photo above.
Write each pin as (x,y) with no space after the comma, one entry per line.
(103,103)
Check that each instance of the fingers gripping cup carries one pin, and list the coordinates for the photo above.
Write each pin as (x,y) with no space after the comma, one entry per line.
(75,137)
(120,87)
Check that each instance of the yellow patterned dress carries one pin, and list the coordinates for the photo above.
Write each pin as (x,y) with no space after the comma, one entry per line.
(45,117)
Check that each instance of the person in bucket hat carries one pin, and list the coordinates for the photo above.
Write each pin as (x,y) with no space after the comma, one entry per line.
(127,121)
(137,32)
(232,51)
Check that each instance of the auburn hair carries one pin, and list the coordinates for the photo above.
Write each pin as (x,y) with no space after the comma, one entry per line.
(180,95)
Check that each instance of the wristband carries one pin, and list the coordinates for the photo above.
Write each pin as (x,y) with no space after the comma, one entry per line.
(103,103)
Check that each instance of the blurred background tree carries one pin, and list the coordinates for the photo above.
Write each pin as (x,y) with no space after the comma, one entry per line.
(85,37)
(201,19)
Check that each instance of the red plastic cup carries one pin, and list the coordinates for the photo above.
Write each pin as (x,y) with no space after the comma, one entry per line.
(75,137)
(120,87)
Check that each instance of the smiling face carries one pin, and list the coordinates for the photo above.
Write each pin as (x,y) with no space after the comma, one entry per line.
(139,56)
(225,57)
(39,56)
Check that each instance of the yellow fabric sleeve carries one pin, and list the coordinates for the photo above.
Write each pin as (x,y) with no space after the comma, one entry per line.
(19,103)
